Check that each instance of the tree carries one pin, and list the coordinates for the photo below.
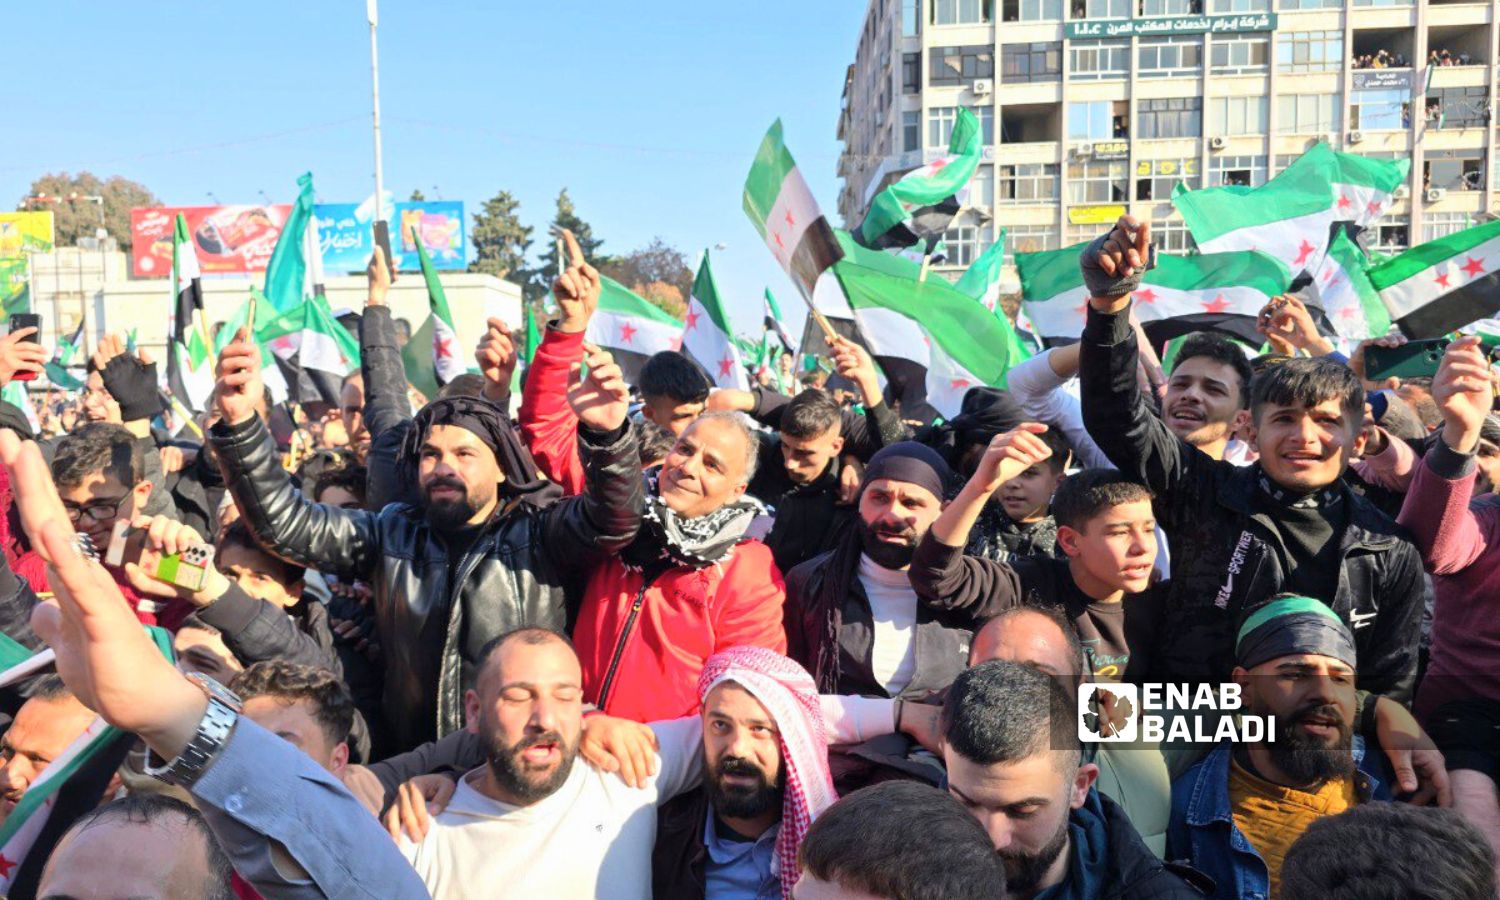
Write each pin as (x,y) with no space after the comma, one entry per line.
(539,280)
(658,271)
(500,240)
(80,218)
(417,196)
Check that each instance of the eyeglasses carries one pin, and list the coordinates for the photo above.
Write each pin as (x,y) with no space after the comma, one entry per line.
(97,510)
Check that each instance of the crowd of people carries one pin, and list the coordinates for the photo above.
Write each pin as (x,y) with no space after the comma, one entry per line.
(1380,59)
(648,638)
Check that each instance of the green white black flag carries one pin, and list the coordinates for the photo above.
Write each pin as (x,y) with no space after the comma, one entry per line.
(1439,286)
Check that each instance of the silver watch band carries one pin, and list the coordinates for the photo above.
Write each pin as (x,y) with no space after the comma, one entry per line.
(213,731)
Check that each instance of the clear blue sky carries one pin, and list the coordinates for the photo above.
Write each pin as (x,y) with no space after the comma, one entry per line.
(648,113)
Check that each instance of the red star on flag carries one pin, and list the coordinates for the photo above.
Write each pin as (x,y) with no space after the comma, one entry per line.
(1373,207)
(1345,202)
(777,236)
(1349,313)
(959,384)
(627,333)
(692,319)
(1217,305)
(790,222)
(1304,252)
(1472,267)
(1145,296)
(1442,279)
(6,865)
(1083,309)
(726,366)
(442,348)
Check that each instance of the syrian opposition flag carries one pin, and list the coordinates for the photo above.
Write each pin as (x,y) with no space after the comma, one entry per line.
(918,208)
(190,371)
(1210,292)
(707,336)
(270,371)
(1289,216)
(447,358)
(71,785)
(933,342)
(782,209)
(295,271)
(312,350)
(981,280)
(631,327)
(1342,287)
(1439,286)
(62,357)
(774,322)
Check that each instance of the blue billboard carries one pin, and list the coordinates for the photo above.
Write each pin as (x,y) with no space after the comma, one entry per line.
(346,237)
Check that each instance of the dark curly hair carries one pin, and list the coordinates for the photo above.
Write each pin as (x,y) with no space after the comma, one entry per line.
(332,704)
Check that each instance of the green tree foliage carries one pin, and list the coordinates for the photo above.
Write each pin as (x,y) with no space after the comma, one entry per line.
(78,218)
(417,196)
(539,280)
(499,239)
(658,271)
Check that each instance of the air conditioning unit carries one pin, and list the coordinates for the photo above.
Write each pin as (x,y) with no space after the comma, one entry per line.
(1401,192)
(1356,137)
(1435,194)
(983,86)
(1217,143)
(1084,150)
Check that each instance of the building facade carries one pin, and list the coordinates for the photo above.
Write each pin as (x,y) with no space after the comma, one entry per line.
(1092,108)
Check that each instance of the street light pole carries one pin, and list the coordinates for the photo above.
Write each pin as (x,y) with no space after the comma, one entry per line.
(374,18)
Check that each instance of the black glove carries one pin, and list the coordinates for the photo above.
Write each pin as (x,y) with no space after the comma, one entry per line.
(1102,284)
(133,385)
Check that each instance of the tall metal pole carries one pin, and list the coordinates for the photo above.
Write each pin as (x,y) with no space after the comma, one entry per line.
(374,17)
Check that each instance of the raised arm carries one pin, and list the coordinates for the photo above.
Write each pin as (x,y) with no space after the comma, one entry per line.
(879,426)
(386,404)
(1037,385)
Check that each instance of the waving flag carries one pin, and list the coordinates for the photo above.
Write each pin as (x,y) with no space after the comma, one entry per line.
(447,356)
(782,209)
(1436,287)
(62,358)
(1343,289)
(295,272)
(918,208)
(774,321)
(631,327)
(312,350)
(190,370)
(707,334)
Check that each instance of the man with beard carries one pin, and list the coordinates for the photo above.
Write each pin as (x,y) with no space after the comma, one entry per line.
(1235,815)
(43,728)
(486,551)
(689,585)
(1242,534)
(1014,761)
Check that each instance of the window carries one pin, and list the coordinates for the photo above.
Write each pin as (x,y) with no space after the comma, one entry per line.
(1155,178)
(1302,113)
(911,73)
(1032,10)
(959,65)
(960,12)
(1031,62)
(911,130)
(1028,183)
(1173,117)
(1290,5)
(1096,181)
(982,187)
(1454,170)
(1170,7)
(1091,121)
(1458,107)
(1309,51)
(1378,110)
(1031,238)
(1099,60)
(1078,234)
(966,242)
(1244,171)
(986,117)
(911,18)
(1383,3)
(1170,56)
(1392,234)
(1173,237)
(1229,7)
(1240,55)
(1437,225)
(940,121)
(1237,115)
(1101,9)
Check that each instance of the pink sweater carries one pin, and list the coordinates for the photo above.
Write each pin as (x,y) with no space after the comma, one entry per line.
(1460,545)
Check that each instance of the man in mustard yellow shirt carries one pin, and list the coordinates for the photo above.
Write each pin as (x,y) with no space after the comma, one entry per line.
(1235,814)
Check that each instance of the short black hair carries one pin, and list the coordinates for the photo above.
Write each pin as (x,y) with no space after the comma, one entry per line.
(238,535)
(351,478)
(655,441)
(1077,658)
(98,447)
(1389,850)
(333,705)
(1084,495)
(672,375)
(50,687)
(465,384)
(322,460)
(532,635)
(1306,383)
(945,854)
(144,809)
(1219,349)
(1061,450)
(810,415)
(1004,712)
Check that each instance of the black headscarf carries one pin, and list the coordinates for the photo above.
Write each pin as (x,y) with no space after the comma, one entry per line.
(489,423)
(984,413)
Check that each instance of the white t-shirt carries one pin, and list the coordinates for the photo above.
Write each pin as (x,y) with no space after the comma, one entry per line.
(590,838)
(893,608)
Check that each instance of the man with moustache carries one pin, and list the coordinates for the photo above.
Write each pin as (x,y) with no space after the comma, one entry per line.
(1236,814)
(484,552)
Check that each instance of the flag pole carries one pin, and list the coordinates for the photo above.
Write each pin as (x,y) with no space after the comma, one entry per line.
(926,262)
(374,18)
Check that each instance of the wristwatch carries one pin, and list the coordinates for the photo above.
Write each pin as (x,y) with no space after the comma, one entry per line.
(213,732)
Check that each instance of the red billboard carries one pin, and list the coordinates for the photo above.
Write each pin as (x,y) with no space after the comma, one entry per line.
(237,239)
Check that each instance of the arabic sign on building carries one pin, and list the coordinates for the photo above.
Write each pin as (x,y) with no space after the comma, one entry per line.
(1381,79)
(1094,215)
(1108,28)
(1111,149)
(346,238)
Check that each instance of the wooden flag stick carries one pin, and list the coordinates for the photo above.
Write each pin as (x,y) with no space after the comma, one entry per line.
(829,334)
(926,263)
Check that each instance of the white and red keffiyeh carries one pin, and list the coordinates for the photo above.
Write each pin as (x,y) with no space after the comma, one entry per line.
(791,697)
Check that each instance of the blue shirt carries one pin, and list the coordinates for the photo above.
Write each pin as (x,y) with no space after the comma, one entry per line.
(740,870)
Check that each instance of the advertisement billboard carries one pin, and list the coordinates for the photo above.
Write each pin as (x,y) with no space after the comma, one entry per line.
(229,239)
(23,231)
(346,238)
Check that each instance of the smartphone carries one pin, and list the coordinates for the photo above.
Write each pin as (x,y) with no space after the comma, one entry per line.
(186,570)
(1413,359)
(383,241)
(26,320)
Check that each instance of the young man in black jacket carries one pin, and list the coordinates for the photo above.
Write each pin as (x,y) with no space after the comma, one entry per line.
(1241,535)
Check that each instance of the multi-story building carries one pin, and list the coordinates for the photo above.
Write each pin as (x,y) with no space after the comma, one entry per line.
(1091,108)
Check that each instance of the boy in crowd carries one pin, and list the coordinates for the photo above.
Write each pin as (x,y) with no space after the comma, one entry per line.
(1017,520)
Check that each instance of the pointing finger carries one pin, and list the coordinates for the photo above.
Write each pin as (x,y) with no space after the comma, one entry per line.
(575,252)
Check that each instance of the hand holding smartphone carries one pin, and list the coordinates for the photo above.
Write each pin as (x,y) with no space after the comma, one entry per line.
(19,321)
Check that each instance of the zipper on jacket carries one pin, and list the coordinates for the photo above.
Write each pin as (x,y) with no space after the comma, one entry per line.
(614,662)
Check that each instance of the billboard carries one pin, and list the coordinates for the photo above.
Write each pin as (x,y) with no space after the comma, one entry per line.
(23,231)
(229,239)
(346,238)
